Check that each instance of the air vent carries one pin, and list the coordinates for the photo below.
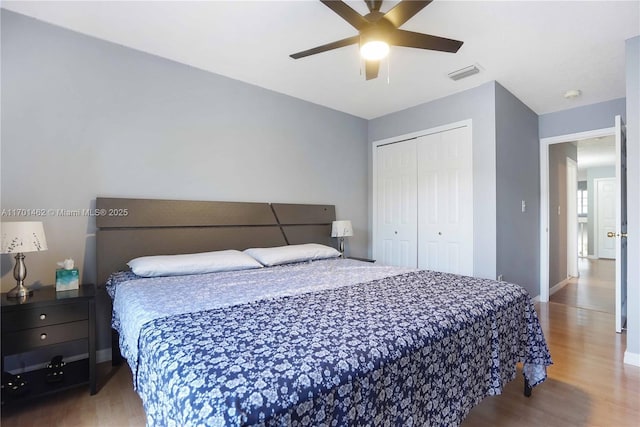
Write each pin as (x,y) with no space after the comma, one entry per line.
(464,72)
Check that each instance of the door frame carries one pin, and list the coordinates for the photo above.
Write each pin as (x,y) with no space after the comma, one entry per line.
(572,225)
(396,139)
(545,143)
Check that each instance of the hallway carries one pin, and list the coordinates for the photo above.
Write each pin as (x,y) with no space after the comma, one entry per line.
(593,290)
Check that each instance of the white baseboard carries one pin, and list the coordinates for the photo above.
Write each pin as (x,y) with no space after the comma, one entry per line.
(535,299)
(559,286)
(632,358)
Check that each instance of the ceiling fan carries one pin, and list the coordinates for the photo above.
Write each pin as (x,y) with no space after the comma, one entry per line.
(377,31)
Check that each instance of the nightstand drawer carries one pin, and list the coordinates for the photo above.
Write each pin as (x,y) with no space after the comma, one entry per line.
(28,339)
(44,316)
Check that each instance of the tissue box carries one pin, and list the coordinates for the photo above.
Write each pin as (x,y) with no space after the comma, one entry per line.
(67,280)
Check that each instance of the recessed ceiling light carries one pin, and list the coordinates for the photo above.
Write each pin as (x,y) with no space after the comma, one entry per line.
(572,93)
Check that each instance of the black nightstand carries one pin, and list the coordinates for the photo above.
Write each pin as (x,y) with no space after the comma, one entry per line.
(361,259)
(48,318)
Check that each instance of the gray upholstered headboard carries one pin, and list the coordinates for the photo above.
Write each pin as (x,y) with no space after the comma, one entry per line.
(129,228)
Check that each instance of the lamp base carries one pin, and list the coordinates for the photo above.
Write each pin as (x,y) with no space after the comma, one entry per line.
(20,291)
(19,273)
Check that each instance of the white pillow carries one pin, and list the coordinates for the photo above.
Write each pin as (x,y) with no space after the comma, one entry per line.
(292,253)
(206,262)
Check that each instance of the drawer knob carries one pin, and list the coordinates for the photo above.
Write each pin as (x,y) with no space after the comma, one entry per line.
(43,337)
(43,316)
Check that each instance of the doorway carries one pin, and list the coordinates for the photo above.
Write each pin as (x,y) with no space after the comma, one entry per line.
(588,281)
(596,279)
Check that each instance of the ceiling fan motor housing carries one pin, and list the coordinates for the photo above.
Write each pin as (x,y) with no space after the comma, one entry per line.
(378,30)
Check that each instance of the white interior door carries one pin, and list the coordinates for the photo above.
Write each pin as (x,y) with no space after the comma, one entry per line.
(396,208)
(606,216)
(620,234)
(572,218)
(445,201)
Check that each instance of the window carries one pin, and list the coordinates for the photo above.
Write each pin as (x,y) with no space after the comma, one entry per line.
(583,202)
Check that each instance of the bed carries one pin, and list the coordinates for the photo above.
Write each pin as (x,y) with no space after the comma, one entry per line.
(325,342)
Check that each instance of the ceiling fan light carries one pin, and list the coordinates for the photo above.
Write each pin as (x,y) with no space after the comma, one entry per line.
(374,50)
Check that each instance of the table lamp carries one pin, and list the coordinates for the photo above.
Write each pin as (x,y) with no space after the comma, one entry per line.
(341,229)
(17,238)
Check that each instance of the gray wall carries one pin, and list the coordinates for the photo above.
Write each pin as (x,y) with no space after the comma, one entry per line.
(477,104)
(580,119)
(594,173)
(558,154)
(517,179)
(633,199)
(83,117)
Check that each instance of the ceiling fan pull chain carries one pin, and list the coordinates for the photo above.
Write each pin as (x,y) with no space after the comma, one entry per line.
(388,59)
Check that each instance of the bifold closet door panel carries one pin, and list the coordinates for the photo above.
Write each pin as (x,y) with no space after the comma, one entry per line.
(396,227)
(445,201)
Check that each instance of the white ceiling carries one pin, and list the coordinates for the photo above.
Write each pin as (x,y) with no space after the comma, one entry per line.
(596,152)
(537,50)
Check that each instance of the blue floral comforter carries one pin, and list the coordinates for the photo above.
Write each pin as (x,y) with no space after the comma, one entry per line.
(419,348)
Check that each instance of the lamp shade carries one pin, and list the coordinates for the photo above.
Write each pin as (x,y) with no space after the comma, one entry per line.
(341,229)
(22,236)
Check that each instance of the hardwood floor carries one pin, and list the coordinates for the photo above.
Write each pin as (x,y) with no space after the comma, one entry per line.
(594,289)
(588,385)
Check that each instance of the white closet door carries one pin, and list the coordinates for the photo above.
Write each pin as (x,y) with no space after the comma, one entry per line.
(396,204)
(445,201)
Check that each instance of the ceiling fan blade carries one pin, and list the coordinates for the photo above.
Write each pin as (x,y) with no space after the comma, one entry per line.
(374,5)
(371,69)
(423,41)
(405,10)
(346,13)
(326,47)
